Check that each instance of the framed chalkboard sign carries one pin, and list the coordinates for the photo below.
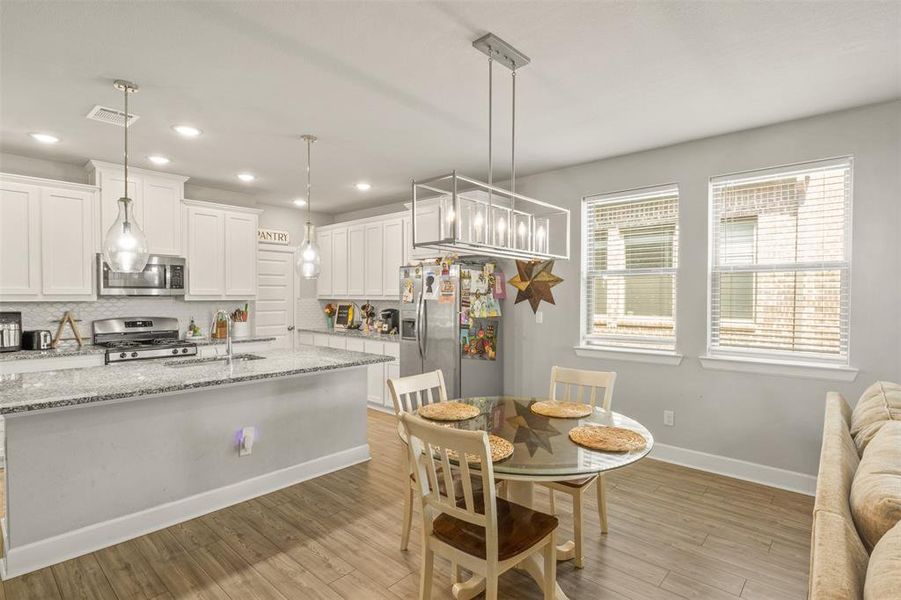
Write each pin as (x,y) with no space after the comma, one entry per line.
(345,316)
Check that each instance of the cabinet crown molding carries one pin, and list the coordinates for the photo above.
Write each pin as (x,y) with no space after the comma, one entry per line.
(95,165)
(42,181)
(364,221)
(220,206)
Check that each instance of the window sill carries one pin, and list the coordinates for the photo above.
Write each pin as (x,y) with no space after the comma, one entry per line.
(660,357)
(777,367)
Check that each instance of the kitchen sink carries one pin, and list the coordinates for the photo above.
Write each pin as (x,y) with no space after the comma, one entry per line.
(193,362)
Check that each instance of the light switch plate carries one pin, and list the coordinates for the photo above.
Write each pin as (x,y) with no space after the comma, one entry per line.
(669,418)
(539,317)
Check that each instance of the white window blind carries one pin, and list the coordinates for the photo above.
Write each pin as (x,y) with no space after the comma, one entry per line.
(780,262)
(630,246)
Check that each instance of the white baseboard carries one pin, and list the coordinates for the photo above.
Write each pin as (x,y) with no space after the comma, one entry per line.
(739,469)
(100,535)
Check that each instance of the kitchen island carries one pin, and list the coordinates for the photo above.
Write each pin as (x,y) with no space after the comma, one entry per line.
(98,455)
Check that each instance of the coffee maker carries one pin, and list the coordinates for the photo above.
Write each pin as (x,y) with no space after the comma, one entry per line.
(10,331)
(390,318)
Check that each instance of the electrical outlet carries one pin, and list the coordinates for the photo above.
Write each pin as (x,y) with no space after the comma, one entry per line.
(539,317)
(669,418)
(245,442)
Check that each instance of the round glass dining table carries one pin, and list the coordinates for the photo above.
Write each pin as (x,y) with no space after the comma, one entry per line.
(542,452)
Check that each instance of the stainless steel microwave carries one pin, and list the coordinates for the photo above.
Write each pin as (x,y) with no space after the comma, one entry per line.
(163,276)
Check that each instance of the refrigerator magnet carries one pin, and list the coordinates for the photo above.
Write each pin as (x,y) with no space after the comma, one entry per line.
(407,297)
(430,284)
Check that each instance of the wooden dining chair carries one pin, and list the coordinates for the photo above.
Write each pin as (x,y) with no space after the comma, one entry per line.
(574,384)
(472,528)
(408,394)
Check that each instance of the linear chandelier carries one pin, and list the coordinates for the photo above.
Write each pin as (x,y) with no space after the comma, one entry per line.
(459,214)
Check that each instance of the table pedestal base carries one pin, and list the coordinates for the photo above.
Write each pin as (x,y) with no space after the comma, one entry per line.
(520,492)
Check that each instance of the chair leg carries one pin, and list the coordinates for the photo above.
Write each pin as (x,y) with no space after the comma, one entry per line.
(408,519)
(428,566)
(491,584)
(577,528)
(550,570)
(602,503)
(553,502)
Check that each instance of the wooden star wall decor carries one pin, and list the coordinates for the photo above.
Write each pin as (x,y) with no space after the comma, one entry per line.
(533,282)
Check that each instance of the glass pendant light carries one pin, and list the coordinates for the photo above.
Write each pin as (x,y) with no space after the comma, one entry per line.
(125,245)
(308,262)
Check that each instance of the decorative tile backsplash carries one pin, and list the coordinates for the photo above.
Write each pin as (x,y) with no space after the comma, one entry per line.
(46,315)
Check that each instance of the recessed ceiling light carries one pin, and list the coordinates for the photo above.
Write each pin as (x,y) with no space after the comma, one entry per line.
(186,130)
(363,186)
(246,176)
(159,160)
(45,138)
(300,202)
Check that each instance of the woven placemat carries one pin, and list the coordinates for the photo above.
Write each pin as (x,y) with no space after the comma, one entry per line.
(448,411)
(561,410)
(607,439)
(500,449)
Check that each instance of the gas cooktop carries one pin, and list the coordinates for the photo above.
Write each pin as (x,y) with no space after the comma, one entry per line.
(140,338)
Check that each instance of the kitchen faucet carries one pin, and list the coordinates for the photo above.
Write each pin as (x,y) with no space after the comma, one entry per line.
(229,347)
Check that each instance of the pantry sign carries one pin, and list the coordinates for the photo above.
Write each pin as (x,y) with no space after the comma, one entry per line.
(273,236)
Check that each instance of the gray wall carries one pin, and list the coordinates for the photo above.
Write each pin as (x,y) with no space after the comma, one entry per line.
(770,420)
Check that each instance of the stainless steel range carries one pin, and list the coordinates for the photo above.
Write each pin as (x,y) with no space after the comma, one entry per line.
(141,338)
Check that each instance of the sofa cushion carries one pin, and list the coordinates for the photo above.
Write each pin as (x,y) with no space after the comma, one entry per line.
(880,403)
(839,564)
(876,489)
(838,459)
(884,570)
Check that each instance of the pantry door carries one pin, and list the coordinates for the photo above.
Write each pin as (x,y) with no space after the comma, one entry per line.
(276,294)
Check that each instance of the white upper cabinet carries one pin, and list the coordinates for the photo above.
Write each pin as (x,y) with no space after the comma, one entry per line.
(47,239)
(20,241)
(374,260)
(206,252)
(67,242)
(324,283)
(162,215)
(427,229)
(339,262)
(393,256)
(156,202)
(356,260)
(240,254)
(366,256)
(222,251)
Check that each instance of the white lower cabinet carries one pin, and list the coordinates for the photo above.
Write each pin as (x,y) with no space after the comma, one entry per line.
(306,338)
(355,345)
(377,393)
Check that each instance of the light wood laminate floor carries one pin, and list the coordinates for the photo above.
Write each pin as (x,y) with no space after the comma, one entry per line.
(675,533)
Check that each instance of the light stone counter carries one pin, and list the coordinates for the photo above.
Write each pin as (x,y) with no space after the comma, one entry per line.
(53,389)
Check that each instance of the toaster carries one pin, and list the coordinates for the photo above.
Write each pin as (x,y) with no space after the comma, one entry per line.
(39,339)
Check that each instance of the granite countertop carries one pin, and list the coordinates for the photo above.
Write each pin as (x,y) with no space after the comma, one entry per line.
(385,337)
(21,392)
(72,349)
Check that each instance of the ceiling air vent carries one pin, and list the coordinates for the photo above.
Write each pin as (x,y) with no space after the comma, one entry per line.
(111,116)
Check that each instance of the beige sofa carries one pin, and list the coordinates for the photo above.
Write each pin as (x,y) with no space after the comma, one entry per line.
(856,542)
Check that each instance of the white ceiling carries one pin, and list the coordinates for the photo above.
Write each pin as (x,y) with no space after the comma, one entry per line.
(395,91)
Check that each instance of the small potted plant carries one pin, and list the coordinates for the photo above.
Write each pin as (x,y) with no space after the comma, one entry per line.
(330,311)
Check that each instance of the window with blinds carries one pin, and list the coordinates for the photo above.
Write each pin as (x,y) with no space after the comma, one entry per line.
(630,245)
(780,262)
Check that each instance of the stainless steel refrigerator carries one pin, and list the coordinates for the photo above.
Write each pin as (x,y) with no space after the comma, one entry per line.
(433,335)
